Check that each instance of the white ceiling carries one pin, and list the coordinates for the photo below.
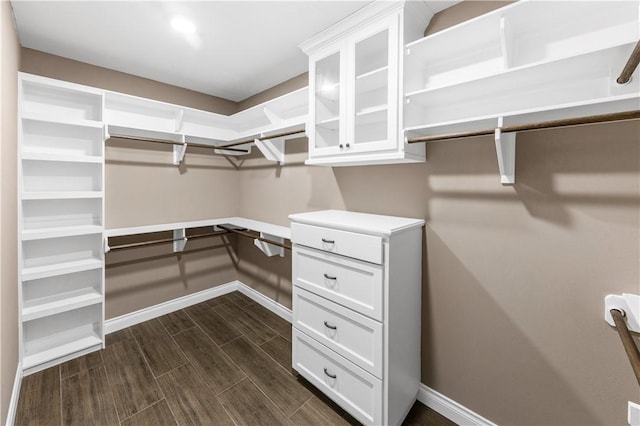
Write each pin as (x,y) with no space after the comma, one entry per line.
(240,48)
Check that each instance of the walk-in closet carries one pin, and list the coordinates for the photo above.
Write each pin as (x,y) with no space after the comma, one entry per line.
(376,212)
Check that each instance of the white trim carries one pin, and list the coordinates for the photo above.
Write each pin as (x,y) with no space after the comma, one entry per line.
(275,307)
(449,408)
(151,312)
(15,394)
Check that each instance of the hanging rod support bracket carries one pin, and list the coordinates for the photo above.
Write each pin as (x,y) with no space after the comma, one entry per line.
(179,240)
(506,151)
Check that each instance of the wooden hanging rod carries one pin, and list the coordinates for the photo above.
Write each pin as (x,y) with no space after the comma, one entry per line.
(261,138)
(591,119)
(165,240)
(257,237)
(630,66)
(172,142)
(627,341)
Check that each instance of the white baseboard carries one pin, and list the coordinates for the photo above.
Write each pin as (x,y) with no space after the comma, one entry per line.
(449,408)
(151,312)
(275,307)
(15,394)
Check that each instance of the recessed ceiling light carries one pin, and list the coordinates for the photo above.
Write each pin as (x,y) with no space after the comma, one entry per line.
(183,25)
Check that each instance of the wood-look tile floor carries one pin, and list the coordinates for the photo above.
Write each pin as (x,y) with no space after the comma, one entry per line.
(226,361)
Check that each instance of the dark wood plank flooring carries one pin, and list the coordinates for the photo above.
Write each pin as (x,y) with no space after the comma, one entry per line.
(223,362)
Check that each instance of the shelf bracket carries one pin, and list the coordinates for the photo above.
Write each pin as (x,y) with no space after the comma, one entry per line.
(179,151)
(178,120)
(274,118)
(506,151)
(272,149)
(179,240)
(626,302)
(270,249)
(105,245)
(234,153)
(105,132)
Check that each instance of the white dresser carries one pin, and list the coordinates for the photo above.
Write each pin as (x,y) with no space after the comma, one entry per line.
(356,310)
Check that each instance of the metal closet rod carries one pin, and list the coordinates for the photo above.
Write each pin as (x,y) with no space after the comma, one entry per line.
(591,119)
(630,66)
(627,341)
(247,234)
(261,138)
(165,240)
(169,141)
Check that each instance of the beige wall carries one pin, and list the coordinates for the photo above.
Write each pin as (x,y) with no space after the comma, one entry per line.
(40,63)
(514,277)
(10,59)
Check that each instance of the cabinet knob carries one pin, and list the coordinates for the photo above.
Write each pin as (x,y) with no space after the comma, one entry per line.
(348,145)
(341,146)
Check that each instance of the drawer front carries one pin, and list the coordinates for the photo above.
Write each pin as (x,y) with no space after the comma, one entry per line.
(352,335)
(351,283)
(355,390)
(357,246)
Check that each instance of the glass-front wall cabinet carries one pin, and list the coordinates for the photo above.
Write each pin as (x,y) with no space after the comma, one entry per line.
(354,100)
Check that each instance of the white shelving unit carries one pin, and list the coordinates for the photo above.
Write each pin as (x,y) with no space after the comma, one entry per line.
(61,191)
(355,101)
(527,62)
(139,117)
(62,130)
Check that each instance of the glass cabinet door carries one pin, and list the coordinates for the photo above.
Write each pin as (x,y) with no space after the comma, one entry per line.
(327,101)
(373,67)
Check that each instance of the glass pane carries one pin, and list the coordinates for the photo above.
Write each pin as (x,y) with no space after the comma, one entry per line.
(327,98)
(372,88)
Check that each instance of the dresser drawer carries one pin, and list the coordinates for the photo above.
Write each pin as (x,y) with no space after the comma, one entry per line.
(349,282)
(355,390)
(357,246)
(352,335)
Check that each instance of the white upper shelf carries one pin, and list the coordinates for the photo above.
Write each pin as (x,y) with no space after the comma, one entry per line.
(238,222)
(139,117)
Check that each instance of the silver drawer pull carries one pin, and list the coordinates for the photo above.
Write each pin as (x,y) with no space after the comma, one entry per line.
(332,327)
(329,277)
(333,376)
(324,240)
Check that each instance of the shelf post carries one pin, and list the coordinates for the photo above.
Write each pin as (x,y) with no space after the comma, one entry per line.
(506,152)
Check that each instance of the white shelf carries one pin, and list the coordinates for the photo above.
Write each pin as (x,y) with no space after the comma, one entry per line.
(62,231)
(60,195)
(239,222)
(55,100)
(581,79)
(62,120)
(332,123)
(60,351)
(42,156)
(58,303)
(37,272)
(373,80)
